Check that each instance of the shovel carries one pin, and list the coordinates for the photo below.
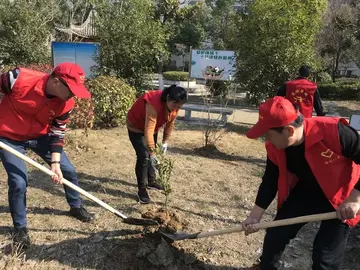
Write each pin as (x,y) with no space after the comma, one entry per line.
(128,220)
(277,223)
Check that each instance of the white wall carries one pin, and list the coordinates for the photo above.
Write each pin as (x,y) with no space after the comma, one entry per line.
(347,68)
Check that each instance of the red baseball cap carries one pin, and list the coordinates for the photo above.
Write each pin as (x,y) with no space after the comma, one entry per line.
(73,75)
(273,113)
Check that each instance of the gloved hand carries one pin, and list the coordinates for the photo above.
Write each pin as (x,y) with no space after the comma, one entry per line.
(154,162)
(164,148)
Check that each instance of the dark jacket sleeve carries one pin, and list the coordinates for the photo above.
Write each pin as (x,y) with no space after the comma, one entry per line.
(350,143)
(269,185)
(7,80)
(281,91)
(318,104)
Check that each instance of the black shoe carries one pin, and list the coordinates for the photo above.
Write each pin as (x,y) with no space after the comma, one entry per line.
(154,185)
(143,196)
(21,238)
(81,214)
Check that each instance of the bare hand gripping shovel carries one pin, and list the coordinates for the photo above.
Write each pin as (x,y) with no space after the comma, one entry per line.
(128,220)
(270,224)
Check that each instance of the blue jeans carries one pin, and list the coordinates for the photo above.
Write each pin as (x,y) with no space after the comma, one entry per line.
(18,180)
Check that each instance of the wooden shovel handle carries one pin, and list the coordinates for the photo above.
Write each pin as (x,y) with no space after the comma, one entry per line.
(270,224)
(64,181)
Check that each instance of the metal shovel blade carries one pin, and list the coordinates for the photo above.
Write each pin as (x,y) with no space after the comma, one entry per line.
(140,221)
(178,236)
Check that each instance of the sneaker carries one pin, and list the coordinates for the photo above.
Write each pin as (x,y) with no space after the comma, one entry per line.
(21,238)
(154,185)
(143,196)
(81,214)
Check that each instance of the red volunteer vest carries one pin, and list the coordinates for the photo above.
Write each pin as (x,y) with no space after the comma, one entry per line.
(136,115)
(336,174)
(27,113)
(301,92)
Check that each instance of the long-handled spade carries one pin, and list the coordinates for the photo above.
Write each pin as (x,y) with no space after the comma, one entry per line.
(270,224)
(128,220)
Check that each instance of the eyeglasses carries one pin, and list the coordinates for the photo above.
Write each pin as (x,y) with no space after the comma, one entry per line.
(64,83)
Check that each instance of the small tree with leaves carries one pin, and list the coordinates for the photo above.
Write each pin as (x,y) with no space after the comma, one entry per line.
(163,175)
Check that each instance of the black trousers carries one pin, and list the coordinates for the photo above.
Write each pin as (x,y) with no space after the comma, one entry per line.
(144,171)
(329,243)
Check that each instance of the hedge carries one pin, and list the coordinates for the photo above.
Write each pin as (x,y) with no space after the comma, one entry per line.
(340,91)
(176,75)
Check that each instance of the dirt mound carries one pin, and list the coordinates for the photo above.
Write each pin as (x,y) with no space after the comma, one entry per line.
(169,221)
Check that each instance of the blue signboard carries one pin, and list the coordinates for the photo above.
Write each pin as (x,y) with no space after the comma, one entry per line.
(81,53)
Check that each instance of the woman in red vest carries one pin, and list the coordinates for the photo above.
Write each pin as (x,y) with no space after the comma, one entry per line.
(312,164)
(148,114)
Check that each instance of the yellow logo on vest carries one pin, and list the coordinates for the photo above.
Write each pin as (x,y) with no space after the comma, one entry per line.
(328,153)
(299,95)
(330,157)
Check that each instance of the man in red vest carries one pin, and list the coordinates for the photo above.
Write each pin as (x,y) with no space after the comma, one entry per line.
(312,166)
(34,111)
(303,93)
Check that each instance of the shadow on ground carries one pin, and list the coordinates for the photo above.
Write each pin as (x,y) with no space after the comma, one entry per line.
(118,249)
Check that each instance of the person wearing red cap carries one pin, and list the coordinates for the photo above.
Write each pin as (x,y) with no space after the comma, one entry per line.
(303,93)
(34,111)
(312,165)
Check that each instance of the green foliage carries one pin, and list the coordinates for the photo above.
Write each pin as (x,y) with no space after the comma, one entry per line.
(222,27)
(112,98)
(337,42)
(82,116)
(323,77)
(132,39)
(25,31)
(218,88)
(189,28)
(167,9)
(176,75)
(340,91)
(277,37)
(46,68)
(164,172)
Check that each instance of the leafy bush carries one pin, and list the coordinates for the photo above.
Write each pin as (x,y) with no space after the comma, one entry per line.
(112,98)
(82,115)
(347,80)
(176,75)
(46,68)
(340,91)
(218,88)
(323,77)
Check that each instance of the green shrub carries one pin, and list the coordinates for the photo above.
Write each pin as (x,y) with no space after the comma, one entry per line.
(112,98)
(82,116)
(347,80)
(323,77)
(218,88)
(176,75)
(340,91)
(46,68)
